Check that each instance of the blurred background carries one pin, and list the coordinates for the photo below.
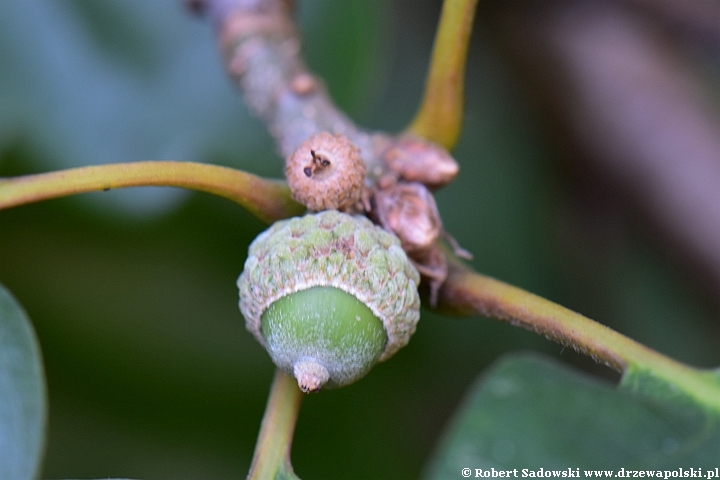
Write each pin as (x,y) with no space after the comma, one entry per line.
(590,174)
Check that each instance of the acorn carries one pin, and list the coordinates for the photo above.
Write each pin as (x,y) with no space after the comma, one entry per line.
(329,295)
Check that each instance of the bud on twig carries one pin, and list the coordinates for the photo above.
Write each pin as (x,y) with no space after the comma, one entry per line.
(417,160)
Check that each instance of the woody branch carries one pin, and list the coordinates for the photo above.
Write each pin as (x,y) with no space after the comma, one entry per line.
(260,47)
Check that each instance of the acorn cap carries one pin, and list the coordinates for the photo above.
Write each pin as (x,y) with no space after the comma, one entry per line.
(333,249)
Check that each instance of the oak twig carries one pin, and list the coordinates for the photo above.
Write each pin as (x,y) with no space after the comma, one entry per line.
(260,46)
(466,292)
(261,51)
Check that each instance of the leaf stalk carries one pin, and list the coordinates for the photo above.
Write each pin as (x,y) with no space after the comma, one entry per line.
(440,116)
(269,200)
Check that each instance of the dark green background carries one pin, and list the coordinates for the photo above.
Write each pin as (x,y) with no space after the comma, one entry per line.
(151,373)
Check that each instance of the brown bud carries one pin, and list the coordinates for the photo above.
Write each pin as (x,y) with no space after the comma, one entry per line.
(409,211)
(417,160)
(326,172)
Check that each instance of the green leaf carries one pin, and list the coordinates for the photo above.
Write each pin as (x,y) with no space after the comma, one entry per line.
(23,407)
(531,412)
(698,394)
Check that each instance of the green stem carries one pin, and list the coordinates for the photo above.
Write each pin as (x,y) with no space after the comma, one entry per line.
(268,200)
(272,451)
(441,113)
(466,292)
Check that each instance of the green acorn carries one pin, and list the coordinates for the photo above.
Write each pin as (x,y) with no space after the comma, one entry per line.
(329,295)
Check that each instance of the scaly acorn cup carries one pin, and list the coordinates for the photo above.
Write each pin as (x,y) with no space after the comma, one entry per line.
(329,295)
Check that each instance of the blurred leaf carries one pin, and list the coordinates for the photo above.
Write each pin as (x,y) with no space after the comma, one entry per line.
(22,393)
(642,382)
(530,412)
(101,82)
